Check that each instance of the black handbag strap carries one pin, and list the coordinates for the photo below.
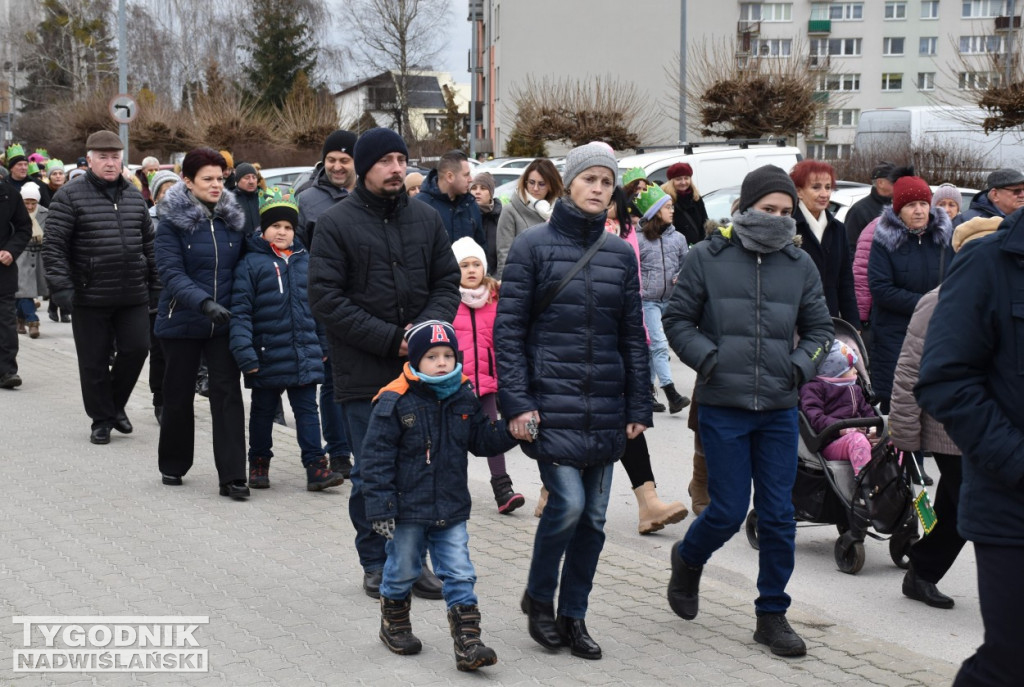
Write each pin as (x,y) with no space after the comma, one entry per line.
(573,271)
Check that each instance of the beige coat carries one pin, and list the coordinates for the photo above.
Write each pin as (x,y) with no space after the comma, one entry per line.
(911,428)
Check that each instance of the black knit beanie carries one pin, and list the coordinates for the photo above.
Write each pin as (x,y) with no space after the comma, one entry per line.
(341,141)
(762,181)
(375,144)
(245,169)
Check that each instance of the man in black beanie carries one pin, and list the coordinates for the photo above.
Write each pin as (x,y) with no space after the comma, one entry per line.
(332,182)
(868,208)
(380,264)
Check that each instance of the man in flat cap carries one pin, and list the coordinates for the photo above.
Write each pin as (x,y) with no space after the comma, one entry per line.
(1002,195)
(99,260)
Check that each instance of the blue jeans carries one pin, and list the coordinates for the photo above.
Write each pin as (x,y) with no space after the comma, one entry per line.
(572,525)
(27,309)
(741,445)
(331,418)
(370,546)
(660,369)
(263,408)
(449,551)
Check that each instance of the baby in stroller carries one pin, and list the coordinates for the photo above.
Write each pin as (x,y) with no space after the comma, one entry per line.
(833,396)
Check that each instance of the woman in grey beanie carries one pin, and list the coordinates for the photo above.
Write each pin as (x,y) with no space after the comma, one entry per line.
(740,297)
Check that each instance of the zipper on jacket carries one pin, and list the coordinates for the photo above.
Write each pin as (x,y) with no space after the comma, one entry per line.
(664,272)
(757,338)
(476,351)
(590,344)
(216,268)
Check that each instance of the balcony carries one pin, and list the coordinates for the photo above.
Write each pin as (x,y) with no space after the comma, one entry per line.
(818,134)
(746,28)
(1003,24)
(820,97)
(818,62)
(821,26)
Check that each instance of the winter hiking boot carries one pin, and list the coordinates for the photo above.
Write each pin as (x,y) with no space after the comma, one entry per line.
(396,628)
(774,631)
(33,330)
(470,652)
(507,498)
(655,513)
(684,585)
(341,465)
(541,502)
(259,473)
(320,477)
(676,401)
(698,489)
(656,405)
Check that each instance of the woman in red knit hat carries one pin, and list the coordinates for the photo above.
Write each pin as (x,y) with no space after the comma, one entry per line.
(689,215)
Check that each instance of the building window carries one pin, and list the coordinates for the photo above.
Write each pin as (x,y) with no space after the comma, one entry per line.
(766,12)
(929,45)
(929,9)
(750,11)
(841,47)
(895,10)
(839,82)
(846,11)
(977,45)
(892,82)
(976,9)
(774,47)
(971,81)
(842,118)
(829,151)
(892,46)
(926,81)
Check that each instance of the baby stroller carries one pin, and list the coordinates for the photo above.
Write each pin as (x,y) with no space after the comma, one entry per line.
(877,501)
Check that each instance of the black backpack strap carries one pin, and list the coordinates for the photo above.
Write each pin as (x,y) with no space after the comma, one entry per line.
(573,271)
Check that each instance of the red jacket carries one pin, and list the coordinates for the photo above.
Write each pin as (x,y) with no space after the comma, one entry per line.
(475,329)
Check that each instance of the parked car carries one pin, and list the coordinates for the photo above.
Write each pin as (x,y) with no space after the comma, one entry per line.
(286,177)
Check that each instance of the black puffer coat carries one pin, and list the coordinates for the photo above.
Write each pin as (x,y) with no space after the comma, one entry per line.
(583,362)
(99,242)
(376,266)
(832,257)
(15,233)
(733,316)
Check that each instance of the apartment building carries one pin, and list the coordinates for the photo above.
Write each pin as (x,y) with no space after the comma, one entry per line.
(866,54)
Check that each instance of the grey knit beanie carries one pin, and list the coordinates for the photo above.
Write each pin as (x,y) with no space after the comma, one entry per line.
(164,176)
(947,192)
(584,157)
(762,181)
(245,169)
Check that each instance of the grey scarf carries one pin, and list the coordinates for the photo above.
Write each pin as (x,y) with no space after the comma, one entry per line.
(760,232)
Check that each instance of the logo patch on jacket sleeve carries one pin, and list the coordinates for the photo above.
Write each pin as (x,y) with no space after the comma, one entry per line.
(409,420)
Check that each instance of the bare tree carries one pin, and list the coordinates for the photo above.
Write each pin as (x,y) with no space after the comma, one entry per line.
(735,93)
(399,36)
(579,110)
(992,80)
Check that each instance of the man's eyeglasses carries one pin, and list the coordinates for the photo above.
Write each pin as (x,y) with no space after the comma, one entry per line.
(1017,191)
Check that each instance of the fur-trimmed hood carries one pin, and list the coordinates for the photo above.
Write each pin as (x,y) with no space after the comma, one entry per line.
(891,232)
(180,210)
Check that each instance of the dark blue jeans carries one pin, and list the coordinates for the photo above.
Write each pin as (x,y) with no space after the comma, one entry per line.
(332,419)
(370,546)
(263,408)
(741,445)
(572,525)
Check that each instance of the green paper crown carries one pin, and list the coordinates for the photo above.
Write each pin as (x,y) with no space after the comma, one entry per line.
(54,164)
(42,151)
(276,198)
(649,199)
(631,175)
(33,168)
(15,150)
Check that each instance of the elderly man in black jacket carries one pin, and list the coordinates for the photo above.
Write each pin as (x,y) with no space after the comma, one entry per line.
(98,255)
(15,232)
(379,264)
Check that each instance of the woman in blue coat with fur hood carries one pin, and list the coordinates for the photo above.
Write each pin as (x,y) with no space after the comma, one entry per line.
(910,252)
(199,241)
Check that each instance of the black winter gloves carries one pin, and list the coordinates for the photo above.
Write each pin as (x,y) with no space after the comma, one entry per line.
(62,298)
(216,312)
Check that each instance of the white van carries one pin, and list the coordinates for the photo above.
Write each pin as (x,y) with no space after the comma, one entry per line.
(925,125)
(715,165)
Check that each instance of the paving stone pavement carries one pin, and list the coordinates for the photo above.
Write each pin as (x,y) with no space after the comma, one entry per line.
(90,530)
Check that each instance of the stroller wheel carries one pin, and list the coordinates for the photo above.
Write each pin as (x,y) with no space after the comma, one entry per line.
(751,529)
(849,555)
(899,548)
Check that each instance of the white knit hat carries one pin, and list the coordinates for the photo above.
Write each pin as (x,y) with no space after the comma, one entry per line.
(468,248)
(30,191)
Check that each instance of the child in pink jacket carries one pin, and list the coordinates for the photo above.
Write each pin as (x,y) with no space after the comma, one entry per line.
(474,328)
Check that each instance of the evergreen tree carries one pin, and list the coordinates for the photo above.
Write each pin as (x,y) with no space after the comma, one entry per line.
(454,131)
(280,45)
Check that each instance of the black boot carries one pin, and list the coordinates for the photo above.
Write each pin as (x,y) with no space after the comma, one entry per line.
(684,586)
(676,401)
(574,633)
(396,628)
(428,585)
(320,477)
(656,405)
(507,498)
(773,630)
(470,652)
(341,465)
(541,622)
(259,473)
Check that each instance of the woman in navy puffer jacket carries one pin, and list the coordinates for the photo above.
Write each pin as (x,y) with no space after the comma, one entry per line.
(199,242)
(579,370)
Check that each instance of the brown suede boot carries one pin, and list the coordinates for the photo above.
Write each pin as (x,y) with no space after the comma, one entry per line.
(33,330)
(699,498)
(655,513)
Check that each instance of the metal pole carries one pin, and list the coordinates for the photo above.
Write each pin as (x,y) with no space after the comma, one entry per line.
(122,67)
(1012,11)
(682,71)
